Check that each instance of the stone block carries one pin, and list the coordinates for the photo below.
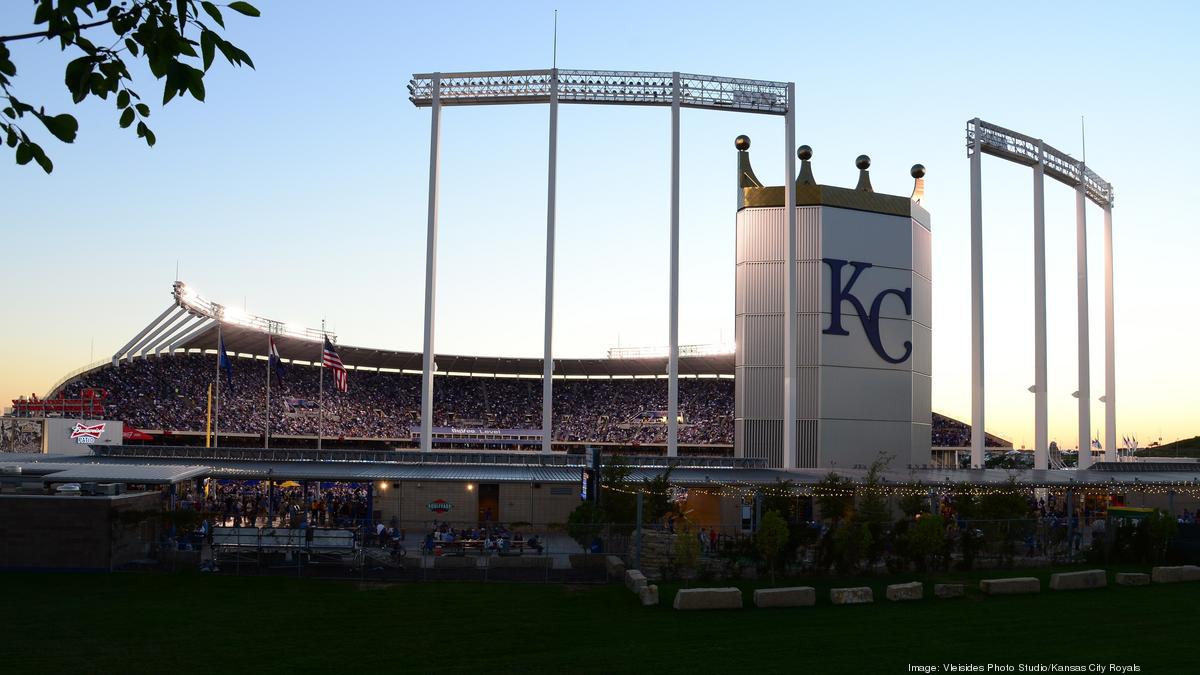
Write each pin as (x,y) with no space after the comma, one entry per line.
(709,598)
(949,590)
(1174,575)
(851,596)
(911,591)
(1010,586)
(649,595)
(1073,581)
(1132,579)
(793,596)
(616,566)
(635,580)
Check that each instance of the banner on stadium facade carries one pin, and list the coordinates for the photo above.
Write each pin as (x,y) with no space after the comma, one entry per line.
(77,436)
(21,434)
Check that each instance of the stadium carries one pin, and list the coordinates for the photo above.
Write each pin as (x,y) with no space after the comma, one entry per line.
(159,384)
(276,430)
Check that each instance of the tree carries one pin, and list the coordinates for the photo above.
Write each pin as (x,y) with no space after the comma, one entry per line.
(926,538)
(656,502)
(685,549)
(873,510)
(834,495)
(771,539)
(154,30)
(781,498)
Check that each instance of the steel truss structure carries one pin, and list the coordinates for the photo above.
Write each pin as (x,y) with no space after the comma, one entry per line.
(620,87)
(1000,142)
(990,139)
(603,87)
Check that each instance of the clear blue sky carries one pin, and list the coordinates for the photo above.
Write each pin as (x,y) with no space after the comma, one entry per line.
(299,188)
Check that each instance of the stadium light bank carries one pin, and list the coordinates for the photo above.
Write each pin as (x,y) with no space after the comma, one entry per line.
(604,87)
(990,139)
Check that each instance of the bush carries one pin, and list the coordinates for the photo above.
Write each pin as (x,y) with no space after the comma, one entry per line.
(772,539)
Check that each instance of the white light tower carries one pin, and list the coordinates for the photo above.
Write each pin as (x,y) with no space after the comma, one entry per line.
(985,138)
(607,87)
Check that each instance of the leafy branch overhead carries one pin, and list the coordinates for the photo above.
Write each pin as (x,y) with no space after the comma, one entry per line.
(177,39)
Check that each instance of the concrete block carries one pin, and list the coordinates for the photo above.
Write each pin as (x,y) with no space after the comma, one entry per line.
(911,591)
(1174,575)
(709,598)
(1073,581)
(794,596)
(949,590)
(649,595)
(851,596)
(1132,579)
(635,580)
(616,566)
(1010,586)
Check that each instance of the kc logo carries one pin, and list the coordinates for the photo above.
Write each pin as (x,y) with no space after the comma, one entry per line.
(839,293)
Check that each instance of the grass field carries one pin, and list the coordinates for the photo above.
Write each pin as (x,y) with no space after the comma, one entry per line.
(192,623)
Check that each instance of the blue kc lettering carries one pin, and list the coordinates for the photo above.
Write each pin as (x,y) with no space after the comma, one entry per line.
(840,293)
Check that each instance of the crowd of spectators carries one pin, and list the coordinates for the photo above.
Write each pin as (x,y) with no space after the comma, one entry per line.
(170,393)
(950,433)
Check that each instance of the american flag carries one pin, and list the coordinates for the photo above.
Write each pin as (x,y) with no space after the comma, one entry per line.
(332,361)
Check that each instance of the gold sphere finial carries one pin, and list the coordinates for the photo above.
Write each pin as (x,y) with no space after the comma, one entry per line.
(742,143)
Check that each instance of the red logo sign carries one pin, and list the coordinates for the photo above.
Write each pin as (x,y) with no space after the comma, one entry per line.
(439,506)
(82,433)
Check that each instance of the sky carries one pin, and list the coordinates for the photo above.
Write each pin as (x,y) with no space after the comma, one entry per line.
(298,189)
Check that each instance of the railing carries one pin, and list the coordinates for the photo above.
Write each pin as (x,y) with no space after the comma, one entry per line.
(412,456)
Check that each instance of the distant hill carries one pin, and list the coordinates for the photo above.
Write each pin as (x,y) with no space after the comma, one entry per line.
(1185,447)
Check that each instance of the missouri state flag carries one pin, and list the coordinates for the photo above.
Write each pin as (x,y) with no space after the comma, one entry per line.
(224,363)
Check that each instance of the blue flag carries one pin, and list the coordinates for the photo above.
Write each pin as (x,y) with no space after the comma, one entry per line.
(224,363)
(273,357)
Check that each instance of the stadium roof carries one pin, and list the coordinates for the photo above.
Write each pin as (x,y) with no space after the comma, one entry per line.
(191,323)
(69,469)
(158,470)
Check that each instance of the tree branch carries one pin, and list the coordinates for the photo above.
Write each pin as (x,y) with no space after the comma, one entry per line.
(50,33)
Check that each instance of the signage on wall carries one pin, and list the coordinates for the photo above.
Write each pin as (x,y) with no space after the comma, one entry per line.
(86,434)
(841,293)
(583,484)
(439,506)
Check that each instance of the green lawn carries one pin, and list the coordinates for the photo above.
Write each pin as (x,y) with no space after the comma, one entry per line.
(192,623)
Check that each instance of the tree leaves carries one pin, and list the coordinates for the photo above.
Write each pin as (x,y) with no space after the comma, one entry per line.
(153,30)
(208,46)
(213,12)
(244,8)
(64,127)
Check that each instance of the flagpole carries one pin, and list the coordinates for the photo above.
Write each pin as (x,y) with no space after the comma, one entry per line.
(321,390)
(267,432)
(208,420)
(217,419)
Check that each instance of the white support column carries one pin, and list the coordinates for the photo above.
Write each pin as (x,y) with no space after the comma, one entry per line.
(1041,432)
(790,290)
(1085,387)
(430,269)
(673,330)
(1110,358)
(977,391)
(551,209)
